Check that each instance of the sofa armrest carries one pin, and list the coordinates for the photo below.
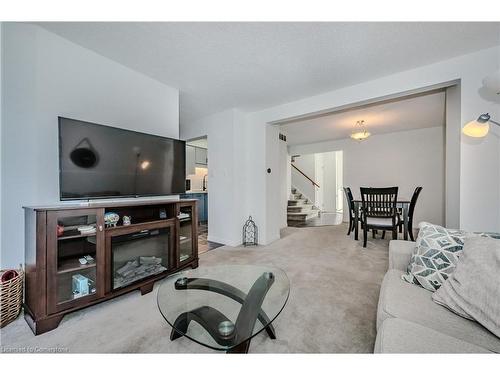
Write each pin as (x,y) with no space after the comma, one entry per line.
(400,253)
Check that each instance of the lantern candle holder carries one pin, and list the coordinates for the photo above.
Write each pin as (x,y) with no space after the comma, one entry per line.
(250,233)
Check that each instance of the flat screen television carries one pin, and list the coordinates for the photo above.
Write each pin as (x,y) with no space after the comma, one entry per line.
(97,161)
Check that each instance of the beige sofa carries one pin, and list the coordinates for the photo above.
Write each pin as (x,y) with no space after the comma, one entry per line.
(408,321)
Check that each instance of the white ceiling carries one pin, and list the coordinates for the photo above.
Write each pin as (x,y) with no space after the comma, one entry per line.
(252,66)
(415,112)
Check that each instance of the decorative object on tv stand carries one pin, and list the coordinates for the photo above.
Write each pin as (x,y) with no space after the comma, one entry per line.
(86,229)
(127,220)
(80,286)
(87,259)
(110,219)
(360,133)
(60,230)
(479,128)
(250,233)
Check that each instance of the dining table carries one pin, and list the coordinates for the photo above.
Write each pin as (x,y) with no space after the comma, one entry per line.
(402,203)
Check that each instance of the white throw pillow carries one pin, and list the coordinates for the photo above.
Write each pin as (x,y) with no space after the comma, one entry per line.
(473,290)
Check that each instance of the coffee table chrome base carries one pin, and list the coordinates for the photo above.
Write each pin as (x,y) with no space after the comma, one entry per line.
(222,330)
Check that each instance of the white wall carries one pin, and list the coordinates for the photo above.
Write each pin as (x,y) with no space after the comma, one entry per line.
(285,180)
(226,179)
(405,159)
(45,76)
(452,157)
(329,185)
(319,179)
(307,164)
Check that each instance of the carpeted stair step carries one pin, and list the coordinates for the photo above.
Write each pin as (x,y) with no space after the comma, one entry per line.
(297,202)
(300,208)
(302,216)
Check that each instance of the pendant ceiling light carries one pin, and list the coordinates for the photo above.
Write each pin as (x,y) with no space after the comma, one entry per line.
(360,133)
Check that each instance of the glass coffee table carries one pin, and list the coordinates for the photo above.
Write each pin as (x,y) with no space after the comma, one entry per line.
(223,307)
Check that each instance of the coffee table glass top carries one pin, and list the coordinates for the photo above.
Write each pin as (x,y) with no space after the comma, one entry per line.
(223,306)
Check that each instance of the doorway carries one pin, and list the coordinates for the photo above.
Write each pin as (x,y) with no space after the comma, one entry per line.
(197,170)
(317,181)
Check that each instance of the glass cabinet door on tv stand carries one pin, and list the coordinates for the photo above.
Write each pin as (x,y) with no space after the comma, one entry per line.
(75,258)
(188,229)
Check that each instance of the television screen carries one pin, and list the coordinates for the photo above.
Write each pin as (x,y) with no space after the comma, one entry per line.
(97,161)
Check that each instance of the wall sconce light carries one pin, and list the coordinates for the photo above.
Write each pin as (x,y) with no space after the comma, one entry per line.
(479,128)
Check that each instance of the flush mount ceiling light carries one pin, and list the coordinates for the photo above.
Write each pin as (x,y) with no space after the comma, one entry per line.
(479,128)
(360,133)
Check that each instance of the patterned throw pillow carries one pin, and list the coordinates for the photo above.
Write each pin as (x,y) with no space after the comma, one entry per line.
(435,255)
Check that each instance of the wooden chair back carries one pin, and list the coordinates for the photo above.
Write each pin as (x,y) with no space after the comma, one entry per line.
(413,201)
(349,198)
(379,202)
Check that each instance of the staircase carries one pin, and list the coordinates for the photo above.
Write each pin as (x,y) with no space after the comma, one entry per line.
(300,208)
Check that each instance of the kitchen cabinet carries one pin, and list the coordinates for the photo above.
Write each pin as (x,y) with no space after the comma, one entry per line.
(201,156)
(202,203)
(205,208)
(195,157)
(190,160)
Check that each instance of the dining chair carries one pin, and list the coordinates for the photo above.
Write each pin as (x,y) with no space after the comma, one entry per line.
(379,210)
(350,203)
(411,210)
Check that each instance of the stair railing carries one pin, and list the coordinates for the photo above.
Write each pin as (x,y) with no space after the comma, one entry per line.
(306,176)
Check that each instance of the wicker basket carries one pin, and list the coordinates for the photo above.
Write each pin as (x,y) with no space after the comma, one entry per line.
(11,298)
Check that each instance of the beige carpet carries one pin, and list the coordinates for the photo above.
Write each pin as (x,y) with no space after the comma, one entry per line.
(332,306)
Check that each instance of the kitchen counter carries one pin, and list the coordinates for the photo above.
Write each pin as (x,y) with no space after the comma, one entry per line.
(196,192)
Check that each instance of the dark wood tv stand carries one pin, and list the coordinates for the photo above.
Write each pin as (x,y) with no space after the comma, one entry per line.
(161,239)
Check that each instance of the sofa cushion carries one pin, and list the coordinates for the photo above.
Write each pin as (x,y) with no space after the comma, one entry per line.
(399,299)
(380,221)
(402,336)
(436,254)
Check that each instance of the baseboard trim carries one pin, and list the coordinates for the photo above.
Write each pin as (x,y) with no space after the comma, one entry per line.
(223,241)
(271,240)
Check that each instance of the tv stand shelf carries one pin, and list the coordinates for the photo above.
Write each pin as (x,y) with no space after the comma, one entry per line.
(161,240)
(135,225)
(71,265)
